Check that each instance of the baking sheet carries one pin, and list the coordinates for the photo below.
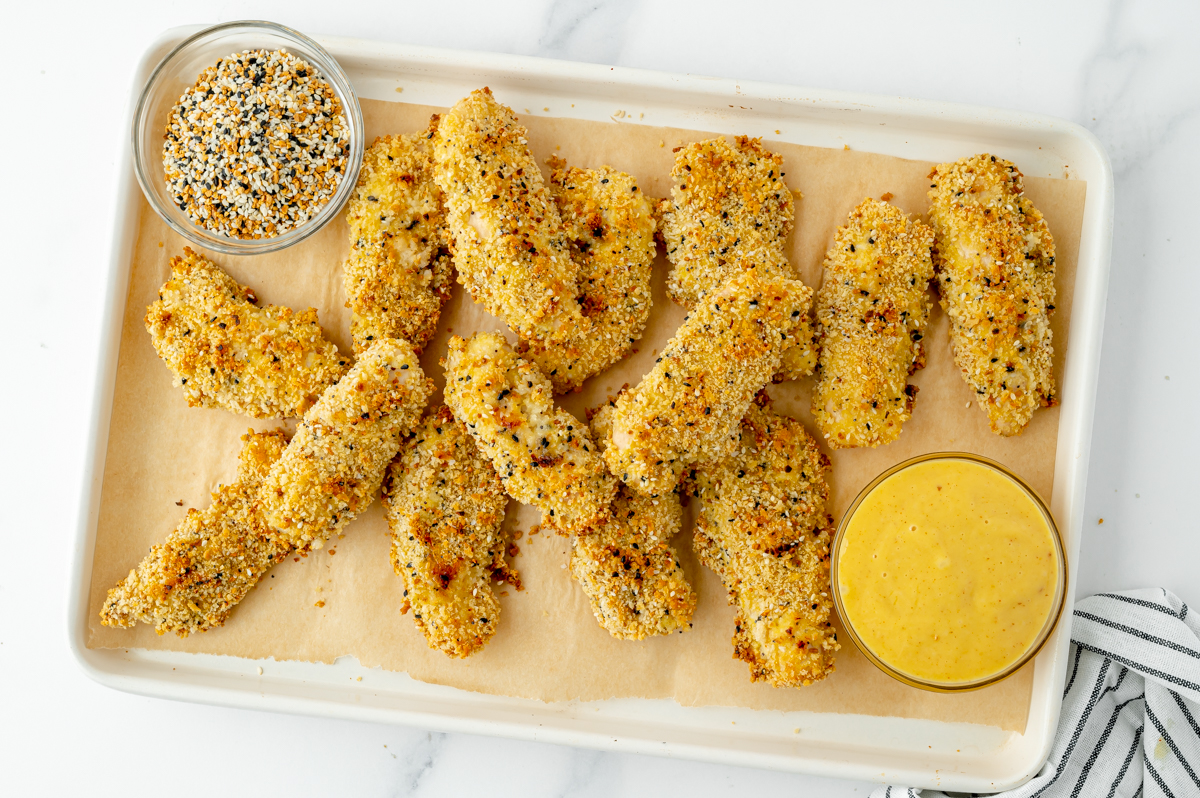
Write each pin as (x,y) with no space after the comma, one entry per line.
(548,647)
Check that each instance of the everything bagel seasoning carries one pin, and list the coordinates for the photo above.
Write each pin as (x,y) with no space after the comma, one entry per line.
(256,146)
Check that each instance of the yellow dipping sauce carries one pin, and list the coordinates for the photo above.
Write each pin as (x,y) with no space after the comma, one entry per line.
(948,571)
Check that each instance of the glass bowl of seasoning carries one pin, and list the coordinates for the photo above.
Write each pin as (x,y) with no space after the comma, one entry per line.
(949,572)
(247,138)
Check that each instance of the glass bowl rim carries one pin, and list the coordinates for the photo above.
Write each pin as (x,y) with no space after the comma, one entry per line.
(1048,626)
(331,70)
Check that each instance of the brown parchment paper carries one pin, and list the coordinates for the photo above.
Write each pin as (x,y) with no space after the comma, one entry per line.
(164,457)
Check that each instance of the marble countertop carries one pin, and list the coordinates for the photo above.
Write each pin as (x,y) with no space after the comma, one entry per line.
(1121,70)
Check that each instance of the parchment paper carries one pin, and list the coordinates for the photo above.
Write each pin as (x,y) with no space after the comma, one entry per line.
(164,457)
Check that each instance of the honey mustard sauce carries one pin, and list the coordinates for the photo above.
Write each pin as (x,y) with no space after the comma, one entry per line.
(948,571)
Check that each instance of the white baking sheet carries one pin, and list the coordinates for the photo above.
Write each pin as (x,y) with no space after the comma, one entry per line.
(952,756)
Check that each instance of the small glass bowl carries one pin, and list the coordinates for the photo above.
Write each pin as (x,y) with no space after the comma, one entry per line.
(1048,627)
(178,72)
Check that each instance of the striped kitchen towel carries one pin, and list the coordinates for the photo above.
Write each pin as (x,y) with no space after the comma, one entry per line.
(1130,723)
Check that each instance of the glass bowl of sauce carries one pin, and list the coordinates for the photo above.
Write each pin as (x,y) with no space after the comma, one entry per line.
(949,572)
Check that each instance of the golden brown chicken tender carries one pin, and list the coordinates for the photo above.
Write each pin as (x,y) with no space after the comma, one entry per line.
(225,351)
(335,463)
(398,274)
(763,528)
(872,312)
(994,258)
(445,510)
(192,581)
(729,211)
(543,454)
(566,266)
(507,238)
(688,407)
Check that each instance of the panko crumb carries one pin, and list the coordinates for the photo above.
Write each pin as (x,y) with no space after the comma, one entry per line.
(872,310)
(445,509)
(333,467)
(192,581)
(688,407)
(225,351)
(994,258)
(398,275)
(544,455)
(763,528)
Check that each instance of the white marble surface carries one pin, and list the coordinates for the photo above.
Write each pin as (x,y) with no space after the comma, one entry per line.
(1122,70)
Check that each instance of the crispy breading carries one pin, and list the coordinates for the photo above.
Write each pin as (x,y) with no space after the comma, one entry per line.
(688,407)
(994,258)
(507,238)
(872,311)
(762,527)
(543,454)
(192,581)
(445,510)
(730,211)
(610,225)
(332,469)
(225,351)
(398,274)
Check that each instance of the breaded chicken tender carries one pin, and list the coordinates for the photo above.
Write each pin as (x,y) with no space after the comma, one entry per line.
(630,572)
(192,581)
(333,467)
(610,225)
(225,351)
(508,242)
(544,455)
(445,506)
(872,311)
(994,258)
(688,407)
(398,274)
(627,566)
(762,527)
(730,211)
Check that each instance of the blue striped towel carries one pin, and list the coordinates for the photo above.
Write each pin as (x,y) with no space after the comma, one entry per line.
(1129,723)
